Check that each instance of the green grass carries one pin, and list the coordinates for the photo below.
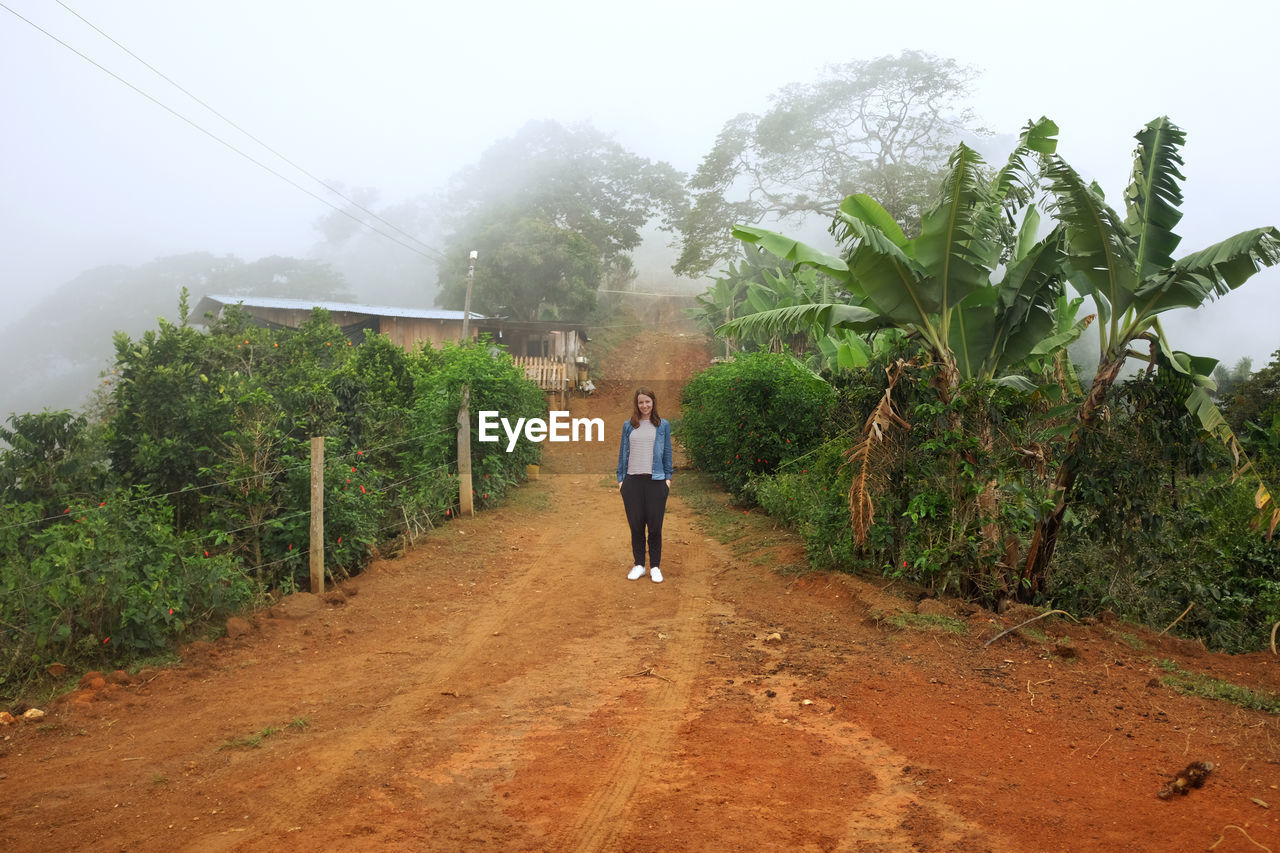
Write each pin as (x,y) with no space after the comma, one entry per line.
(532,496)
(927,622)
(163,660)
(751,534)
(716,515)
(1132,641)
(253,741)
(1207,687)
(1036,634)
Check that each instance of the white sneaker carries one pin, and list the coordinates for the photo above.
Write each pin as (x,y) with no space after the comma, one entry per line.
(636,573)
(656,574)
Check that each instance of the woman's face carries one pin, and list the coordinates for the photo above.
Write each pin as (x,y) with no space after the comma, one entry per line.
(645,404)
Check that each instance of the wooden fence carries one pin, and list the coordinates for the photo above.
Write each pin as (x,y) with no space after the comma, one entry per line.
(551,376)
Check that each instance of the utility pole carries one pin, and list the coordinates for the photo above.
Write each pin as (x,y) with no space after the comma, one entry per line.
(317,514)
(466,500)
(466,304)
(466,503)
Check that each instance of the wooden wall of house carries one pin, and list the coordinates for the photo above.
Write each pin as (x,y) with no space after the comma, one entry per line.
(555,344)
(293,317)
(408,332)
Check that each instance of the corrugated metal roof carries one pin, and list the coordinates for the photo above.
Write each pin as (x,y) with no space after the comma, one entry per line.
(332,307)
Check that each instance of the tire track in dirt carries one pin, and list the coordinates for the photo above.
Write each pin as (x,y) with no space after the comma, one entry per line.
(604,817)
(894,808)
(412,724)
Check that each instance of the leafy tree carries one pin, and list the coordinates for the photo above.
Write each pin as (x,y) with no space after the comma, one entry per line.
(935,286)
(1228,379)
(1253,411)
(760,282)
(170,408)
(721,301)
(48,458)
(1256,397)
(291,278)
(549,200)
(387,262)
(53,354)
(1126,265)
(530,268)
(882,127)
(980,298)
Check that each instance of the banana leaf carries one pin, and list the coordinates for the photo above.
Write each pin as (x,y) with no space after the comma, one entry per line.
(1154,196)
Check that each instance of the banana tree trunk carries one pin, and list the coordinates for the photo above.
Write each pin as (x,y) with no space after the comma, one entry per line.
(1044,540)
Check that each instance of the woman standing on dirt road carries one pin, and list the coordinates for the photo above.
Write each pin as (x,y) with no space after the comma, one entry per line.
(644,480)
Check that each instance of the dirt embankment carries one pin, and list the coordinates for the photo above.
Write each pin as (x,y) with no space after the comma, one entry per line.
(502,686)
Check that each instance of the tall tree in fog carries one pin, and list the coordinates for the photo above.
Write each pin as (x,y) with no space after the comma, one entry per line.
(552,211)
(882,127)
(279,276)
(391,258)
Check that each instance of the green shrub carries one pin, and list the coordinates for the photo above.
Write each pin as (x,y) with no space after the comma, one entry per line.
(496,384)
(108,582)
(811,495)
(743,418)
(1206,553)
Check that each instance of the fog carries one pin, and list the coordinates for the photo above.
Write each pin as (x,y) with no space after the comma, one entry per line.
(397,96)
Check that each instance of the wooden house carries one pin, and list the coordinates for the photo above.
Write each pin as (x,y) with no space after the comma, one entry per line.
(407,327)
(551,352)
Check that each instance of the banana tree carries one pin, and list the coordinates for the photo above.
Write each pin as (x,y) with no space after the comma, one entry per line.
(1126,265)
(944,285)
(982,295)
(755,285)
(718,305)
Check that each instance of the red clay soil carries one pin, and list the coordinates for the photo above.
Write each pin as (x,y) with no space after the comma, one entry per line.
(502,686)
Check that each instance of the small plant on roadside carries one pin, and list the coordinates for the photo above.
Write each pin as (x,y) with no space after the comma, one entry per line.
(1132,641)
(251,741)
(1195,684)
(928,622)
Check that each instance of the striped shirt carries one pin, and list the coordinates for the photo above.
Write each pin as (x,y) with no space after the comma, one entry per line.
(640,457)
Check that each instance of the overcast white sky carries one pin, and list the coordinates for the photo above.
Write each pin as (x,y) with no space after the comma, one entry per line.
(398,94)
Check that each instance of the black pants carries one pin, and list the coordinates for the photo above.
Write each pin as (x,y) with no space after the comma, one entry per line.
(645,500)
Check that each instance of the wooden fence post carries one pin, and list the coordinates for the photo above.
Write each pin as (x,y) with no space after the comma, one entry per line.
(466,505)
(317,514)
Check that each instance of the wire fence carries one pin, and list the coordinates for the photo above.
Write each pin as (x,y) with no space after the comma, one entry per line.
(204,542)
(351,456)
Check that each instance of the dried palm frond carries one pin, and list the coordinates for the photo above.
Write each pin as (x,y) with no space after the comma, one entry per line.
(876,433)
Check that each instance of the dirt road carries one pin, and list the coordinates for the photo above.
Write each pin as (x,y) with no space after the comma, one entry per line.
(503,687)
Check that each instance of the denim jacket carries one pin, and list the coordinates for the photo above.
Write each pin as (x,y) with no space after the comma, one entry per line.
(662,469)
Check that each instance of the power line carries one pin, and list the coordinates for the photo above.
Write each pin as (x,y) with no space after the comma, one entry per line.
(223,142)
(268,475)
(204,104)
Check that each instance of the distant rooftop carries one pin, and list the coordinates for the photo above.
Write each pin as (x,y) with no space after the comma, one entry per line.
(213,302)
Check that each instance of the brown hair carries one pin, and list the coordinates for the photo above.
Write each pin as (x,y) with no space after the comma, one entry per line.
(635,408)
